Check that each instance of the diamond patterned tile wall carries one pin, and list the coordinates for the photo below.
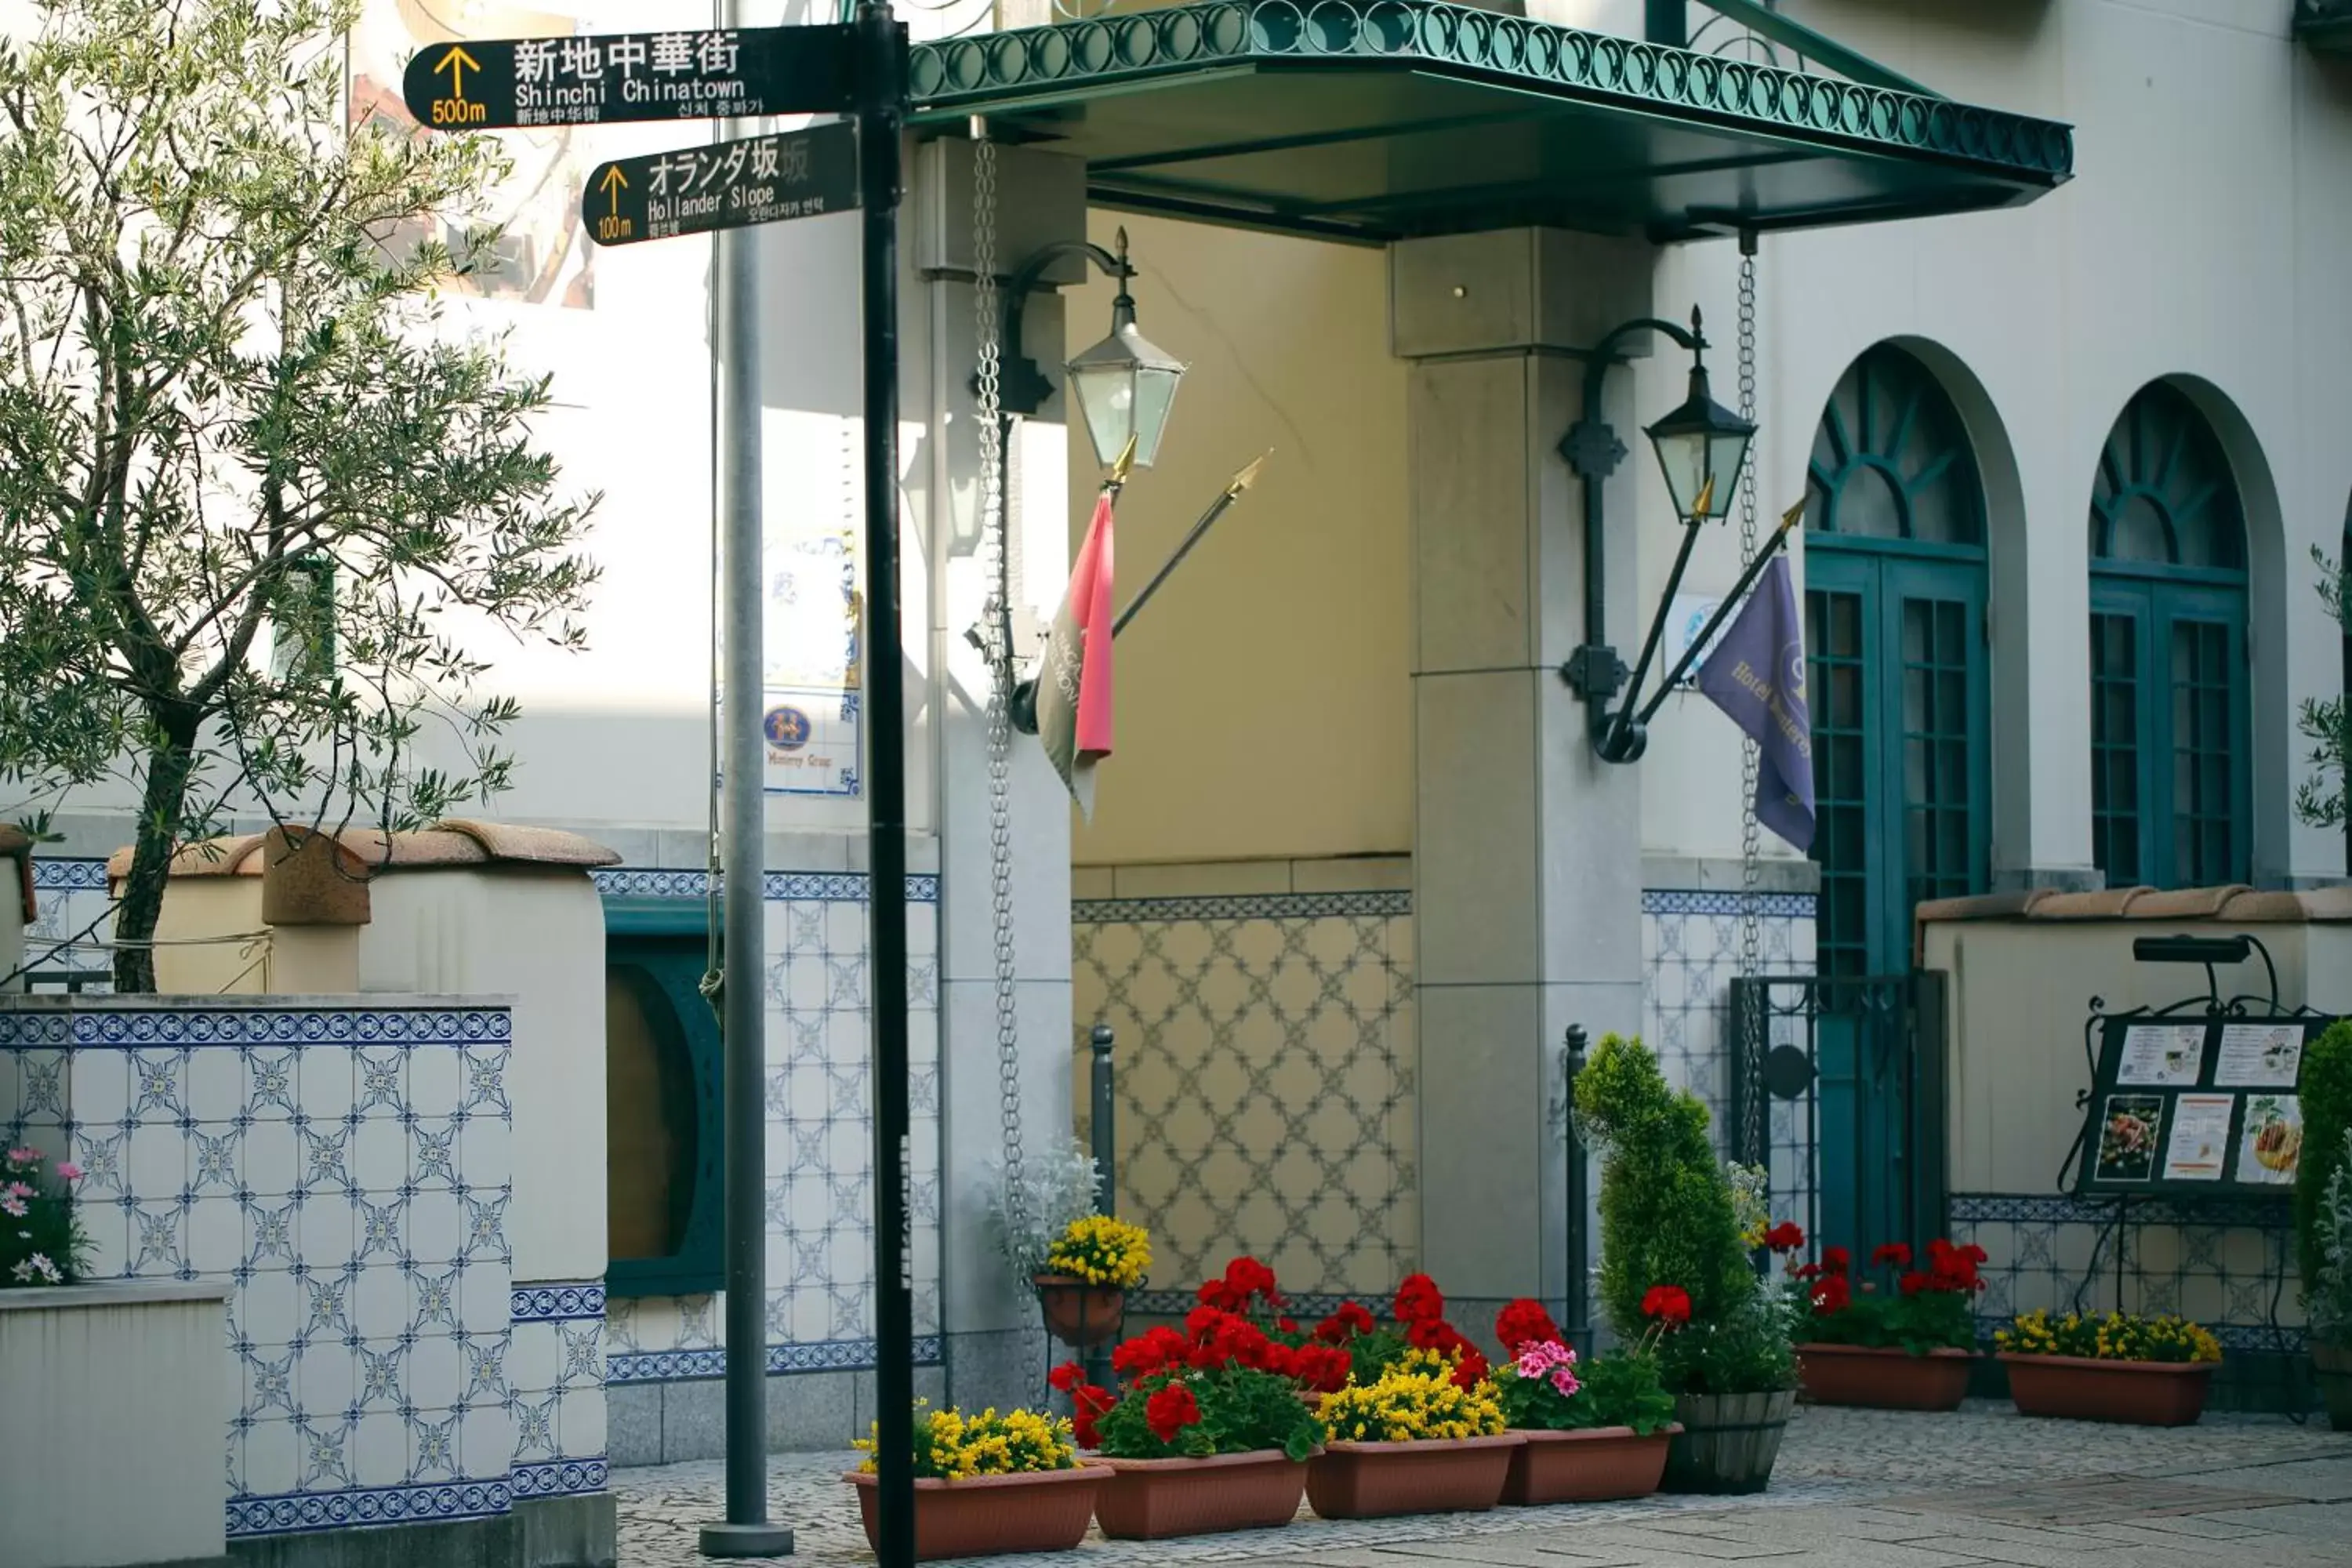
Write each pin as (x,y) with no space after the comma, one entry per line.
(346,1170)
(1266,1080)
(1690,955)
(820,1133)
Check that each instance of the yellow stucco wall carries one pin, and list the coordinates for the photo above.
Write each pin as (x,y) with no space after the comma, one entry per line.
(1262,706)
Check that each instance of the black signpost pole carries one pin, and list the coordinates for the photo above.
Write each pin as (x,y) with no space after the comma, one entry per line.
(881,53)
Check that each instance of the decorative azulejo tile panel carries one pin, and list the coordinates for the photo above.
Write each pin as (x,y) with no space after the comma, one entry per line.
(820,1133)
(1690,955)
(72,926)
(555,1376)
(347,1171)
(1266,1079)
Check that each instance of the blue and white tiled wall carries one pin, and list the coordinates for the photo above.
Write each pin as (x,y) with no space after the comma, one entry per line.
(346,1170)
(820,1309)
(71,925)
(1690,955)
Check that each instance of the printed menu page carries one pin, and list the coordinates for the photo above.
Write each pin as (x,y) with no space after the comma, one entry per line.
(2198,1143)
(2162,1055)
(2259,1056)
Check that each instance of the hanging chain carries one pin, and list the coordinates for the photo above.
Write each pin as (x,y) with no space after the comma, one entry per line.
(996,634)
(1751,912)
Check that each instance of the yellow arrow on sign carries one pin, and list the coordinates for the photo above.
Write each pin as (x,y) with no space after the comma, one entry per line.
(612,185)
(457,62)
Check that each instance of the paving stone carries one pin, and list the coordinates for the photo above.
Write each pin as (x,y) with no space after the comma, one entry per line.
(2313,1480)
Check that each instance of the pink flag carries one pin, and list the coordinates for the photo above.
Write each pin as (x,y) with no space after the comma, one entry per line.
(1073,691)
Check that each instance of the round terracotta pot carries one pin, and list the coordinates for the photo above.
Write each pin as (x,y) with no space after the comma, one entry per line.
(1151,1500)
(2332,1365)
(2137,1393)
(1078,1315)
(1727,1443)
(1600,1463)
(1374,1480)
(1887,1378)
(990,1515)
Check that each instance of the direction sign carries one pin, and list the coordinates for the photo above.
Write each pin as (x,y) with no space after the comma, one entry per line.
(717,73)
(723,185)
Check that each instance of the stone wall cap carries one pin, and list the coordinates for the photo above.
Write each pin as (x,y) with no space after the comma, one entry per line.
(456,843)
(2233,904)
(113,1293)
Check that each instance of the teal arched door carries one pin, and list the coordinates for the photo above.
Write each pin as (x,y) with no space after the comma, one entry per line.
(1897,656)
(2170,789)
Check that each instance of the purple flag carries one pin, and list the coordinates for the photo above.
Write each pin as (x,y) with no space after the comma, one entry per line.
(1757,674)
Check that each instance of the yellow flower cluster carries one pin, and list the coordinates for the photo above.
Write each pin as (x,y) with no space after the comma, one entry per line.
(1102,1250)
(2110,1336)
(1412,1402)
(951,1446)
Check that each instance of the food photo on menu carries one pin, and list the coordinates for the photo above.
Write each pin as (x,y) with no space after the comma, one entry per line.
(2270,1146)
(2128,1136)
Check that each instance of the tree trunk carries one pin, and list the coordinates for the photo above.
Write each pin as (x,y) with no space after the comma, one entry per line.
(171,761)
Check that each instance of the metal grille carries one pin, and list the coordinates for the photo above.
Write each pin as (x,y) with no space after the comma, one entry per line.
(1937,808)
(2203,807)
(2227,1263)
(1266,1085)
(1834,683)
(2115,749)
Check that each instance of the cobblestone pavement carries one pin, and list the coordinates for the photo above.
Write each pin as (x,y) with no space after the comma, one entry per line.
(1852,1489)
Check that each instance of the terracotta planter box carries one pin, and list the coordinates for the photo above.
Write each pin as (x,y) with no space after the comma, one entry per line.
(2332,1365)
(1883,1379)
(990,1515)
(1078,1315)
(1728,1442)
(2137,1393)
(1374,1480)
(1600,1464)
(1151,1500)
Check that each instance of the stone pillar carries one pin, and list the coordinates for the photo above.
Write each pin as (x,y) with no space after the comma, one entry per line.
(993,1340)
(1527,849)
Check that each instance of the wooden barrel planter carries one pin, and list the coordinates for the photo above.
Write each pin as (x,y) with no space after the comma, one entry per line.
(1600,1463)
(1044,1510)
(2130,1393)
(1728,1441)
(1887,1378)
(2332,1366)
(1078,1315)
(1151,1499)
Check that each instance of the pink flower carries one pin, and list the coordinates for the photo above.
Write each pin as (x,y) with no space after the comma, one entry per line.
(18,1190)
(20,1158)
(38,1265)
(12,1206)
(1548,1360)
(68,1171)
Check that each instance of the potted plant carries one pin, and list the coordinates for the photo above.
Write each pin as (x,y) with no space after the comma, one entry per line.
(1208,1432)
(2147,1372)
(2323,1213)
(1674,1274)
(1593,1433)
(1090,1268)
(989,1484)
(1904,1349)
(1413,1441)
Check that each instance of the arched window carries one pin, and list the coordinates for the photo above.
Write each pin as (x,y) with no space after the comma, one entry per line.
(663,1073)
(2169,698)
(1895,679)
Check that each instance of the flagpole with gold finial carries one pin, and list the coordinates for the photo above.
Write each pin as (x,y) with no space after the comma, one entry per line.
(1723,612)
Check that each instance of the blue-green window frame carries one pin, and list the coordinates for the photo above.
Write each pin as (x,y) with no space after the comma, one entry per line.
(664,937)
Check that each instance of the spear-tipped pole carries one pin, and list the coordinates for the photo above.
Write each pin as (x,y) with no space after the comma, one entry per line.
(1731,602)
(1024,694)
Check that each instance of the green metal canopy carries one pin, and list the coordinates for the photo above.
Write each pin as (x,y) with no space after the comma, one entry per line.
(1380,119)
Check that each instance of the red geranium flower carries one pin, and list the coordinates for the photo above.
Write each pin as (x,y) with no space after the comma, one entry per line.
(1914,1282)
(1216,1293)
(1065,1377)
(1524,1322)
(1471,1371)
(1836,1260)
(1831,1293)
(1142,1356)
(1418,1300)
(1351,1321)
(1170,1411)
(1089,1406)
(1806,1271)
(1786,1236)
(1668,1303)
(1895,1254)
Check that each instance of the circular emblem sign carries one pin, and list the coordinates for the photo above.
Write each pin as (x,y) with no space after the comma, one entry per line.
(787,729)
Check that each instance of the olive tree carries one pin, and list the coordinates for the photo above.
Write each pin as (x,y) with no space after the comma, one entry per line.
(261,508)
(2327,722)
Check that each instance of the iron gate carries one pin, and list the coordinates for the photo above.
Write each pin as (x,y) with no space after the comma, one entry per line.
(1852,1075)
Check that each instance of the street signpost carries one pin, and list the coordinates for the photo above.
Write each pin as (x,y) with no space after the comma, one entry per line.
(857,68)
(613,79)
(722,184)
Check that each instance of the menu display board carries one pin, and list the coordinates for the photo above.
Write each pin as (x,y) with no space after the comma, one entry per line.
(2199,1106)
